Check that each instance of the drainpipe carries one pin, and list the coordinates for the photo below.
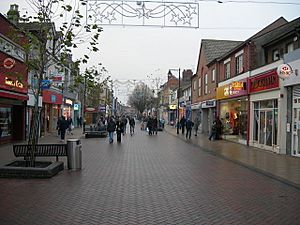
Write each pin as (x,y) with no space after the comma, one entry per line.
(248,93)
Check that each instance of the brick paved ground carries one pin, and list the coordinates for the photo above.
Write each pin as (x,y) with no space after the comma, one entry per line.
(149,180)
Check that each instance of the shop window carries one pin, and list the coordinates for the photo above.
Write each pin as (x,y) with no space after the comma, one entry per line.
(5,122)
(255,125)
(275,126)
(267,104)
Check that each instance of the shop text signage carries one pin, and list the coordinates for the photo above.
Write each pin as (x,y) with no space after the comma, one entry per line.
(234,89)
(208,104)
(264,82)
(14,83)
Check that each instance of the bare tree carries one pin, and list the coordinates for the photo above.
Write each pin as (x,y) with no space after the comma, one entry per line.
(141,98)
(47,47)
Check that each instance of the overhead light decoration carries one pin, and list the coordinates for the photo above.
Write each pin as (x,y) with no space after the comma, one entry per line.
(143,13)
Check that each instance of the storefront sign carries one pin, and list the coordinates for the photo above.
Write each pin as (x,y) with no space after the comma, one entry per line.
(172,106)
(76,107)
(234,89)
(68,101)
(14,83)
(46,84)
(209,104)
(90,109)
(52,97)
(284,71)
(9,63)
(264,82)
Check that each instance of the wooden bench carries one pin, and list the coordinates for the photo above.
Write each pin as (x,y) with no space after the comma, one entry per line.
(42,150)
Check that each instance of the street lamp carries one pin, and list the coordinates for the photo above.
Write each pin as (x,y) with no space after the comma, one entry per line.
(178,96)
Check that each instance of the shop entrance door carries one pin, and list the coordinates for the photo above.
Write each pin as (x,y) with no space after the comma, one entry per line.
(266,128)
(296,133)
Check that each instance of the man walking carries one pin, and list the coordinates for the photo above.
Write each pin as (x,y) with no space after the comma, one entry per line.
(189,126)
(63,126)
(111,127)
(182,123)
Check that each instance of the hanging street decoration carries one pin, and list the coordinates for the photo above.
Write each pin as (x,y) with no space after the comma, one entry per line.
(143,13)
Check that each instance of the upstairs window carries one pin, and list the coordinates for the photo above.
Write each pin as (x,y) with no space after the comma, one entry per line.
(289,47)
(199,87)
(206,84)
(195,84)
(227,70)
(213,75)
(275,55)
(239,64)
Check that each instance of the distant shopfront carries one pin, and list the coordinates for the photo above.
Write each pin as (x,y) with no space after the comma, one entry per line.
(233,110)
(52,101)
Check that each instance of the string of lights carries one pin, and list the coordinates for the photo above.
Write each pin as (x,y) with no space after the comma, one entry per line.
(252,2)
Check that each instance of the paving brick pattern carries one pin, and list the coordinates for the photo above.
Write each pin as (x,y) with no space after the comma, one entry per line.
(149,180)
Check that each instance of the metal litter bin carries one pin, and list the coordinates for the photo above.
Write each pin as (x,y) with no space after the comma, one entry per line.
(74,154)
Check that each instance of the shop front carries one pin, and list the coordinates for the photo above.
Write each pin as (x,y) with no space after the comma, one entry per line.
(264,97)
(52,101)
(172,114)
(292,86)
(233,110)
(208,108)
(13,97)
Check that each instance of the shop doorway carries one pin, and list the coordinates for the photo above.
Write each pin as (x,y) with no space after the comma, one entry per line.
(266,128)
(296,133)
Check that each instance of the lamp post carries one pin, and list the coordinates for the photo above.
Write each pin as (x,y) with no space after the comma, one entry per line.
(178,96)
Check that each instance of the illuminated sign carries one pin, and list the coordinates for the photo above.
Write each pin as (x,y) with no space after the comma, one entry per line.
(237,86)
(234,89)
(76,106)
(284,71)
(9,63)
(68,101)
(172,106)
(11,82)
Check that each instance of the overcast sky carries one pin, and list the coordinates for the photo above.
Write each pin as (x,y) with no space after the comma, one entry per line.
(144,53)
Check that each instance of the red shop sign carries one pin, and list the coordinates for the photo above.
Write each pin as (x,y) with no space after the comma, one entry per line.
(52,97)
(269,80)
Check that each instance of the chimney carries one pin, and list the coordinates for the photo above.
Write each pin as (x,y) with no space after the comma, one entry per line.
(13,14)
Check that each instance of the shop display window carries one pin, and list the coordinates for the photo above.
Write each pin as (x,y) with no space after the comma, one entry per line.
(233,115)
(5,122)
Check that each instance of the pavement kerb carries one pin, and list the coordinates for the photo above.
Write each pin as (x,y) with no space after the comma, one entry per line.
(251,167)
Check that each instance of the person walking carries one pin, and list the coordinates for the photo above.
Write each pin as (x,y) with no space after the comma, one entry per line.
(111,127)
(213,131)
(196,125)
(119,129)
(58,125)
(63,126)
(154,125)
(182,123)
(189,126)
(131,125)
(124,122)
(70,124)
(150,125)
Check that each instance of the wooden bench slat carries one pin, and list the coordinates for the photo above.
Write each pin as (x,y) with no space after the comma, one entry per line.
(41,150)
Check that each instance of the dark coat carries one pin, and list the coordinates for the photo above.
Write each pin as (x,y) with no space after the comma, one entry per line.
(111,126)
(63,125)
(189,124)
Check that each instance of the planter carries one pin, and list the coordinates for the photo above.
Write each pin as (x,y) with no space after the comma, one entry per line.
(42,169)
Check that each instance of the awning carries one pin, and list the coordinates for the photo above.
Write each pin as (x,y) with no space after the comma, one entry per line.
(13,95)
